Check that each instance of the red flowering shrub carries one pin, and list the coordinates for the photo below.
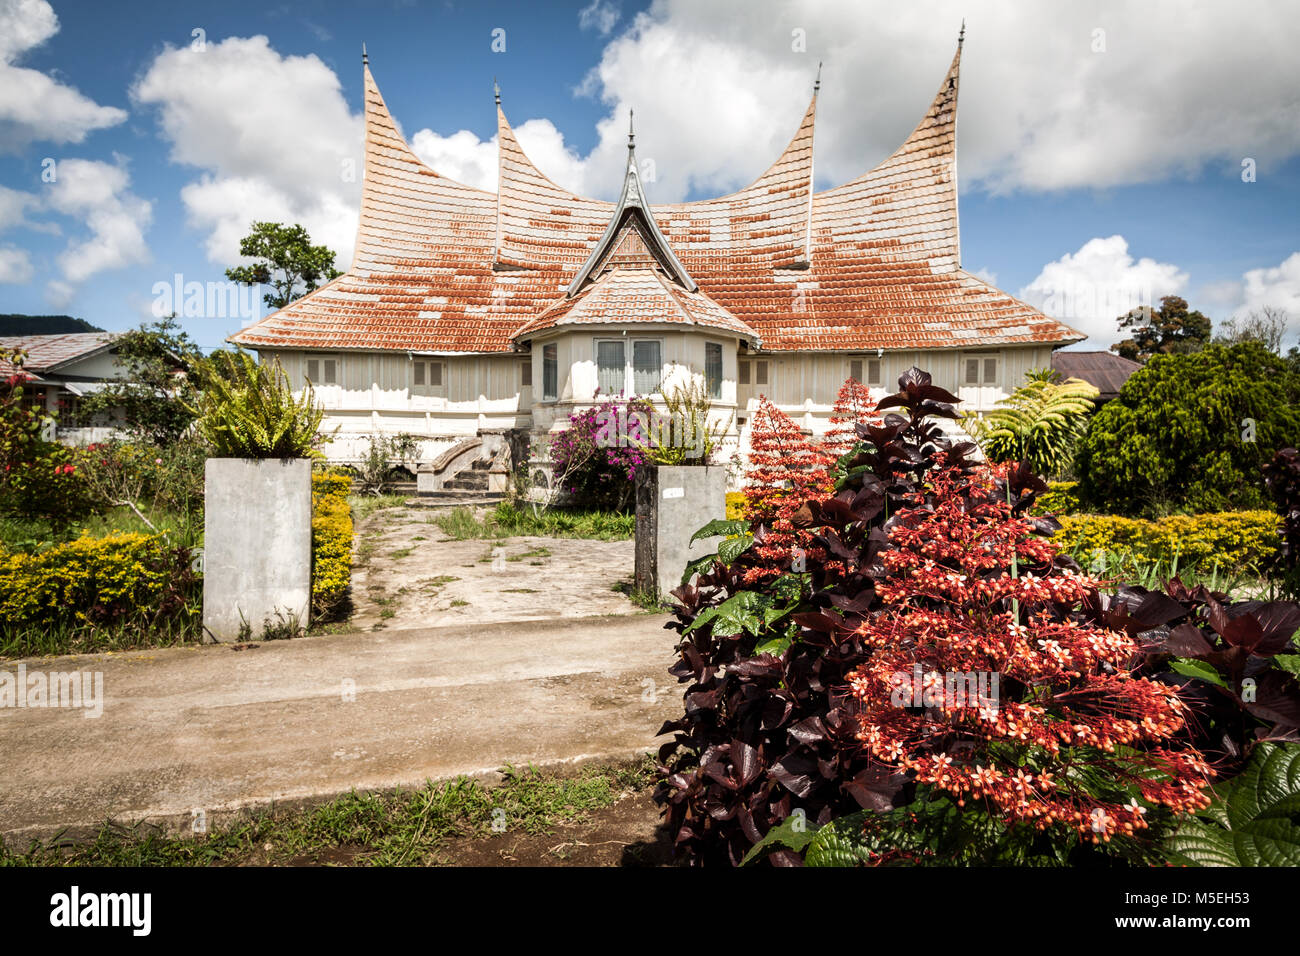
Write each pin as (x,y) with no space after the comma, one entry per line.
(1064,707)
(785,469)
(924,558)
(853,406)
(38,478)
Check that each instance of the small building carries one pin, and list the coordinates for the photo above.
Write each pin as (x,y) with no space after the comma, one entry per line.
(60,369)
(467,314)
(1104,371)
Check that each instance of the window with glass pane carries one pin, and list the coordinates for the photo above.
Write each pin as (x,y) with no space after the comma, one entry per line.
(647,367)
(419,373)
(760,373)
(526,374)
(990,371)
(742,373)
(873,372)
(550,371)
(972,371)
(855,370)
(611,367)
(713,368)
(435,374)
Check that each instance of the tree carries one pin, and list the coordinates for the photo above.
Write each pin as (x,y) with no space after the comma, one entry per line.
(1265,326)
(158,359)
(1172,328)
(1191,432)
(286,261)
(1040,422)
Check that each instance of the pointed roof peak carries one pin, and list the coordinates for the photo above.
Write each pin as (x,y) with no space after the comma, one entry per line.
(496,90)
(632,203)
(365,60)
(817,83)
(961,35)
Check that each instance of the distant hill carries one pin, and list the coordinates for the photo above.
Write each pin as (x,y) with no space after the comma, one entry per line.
(44,325)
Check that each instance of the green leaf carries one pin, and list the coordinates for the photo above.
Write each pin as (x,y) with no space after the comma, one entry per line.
(775,646)
(725,527)
(698,566)
(1194,668)
(1256,821)
(732,548)
(840,843)
(792,833)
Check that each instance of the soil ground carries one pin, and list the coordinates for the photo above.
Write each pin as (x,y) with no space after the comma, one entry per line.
(408,574)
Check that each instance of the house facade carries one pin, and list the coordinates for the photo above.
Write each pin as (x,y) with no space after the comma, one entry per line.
(59,370)
(468,313)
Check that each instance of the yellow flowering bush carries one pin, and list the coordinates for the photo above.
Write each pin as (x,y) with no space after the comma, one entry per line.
(1061,498)
(735,505)
(1234,539)
(331,540)
(126,576)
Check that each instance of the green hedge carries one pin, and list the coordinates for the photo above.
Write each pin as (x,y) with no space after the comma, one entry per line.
(331,542)
(1235,540)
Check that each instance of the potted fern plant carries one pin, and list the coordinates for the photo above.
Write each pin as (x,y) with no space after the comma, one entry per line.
(257,538)
(680,489)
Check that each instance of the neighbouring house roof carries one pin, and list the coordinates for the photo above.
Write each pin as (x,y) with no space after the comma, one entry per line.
(1105,371)
(874,263)
(48,353)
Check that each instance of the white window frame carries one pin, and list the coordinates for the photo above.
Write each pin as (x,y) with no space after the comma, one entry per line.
(722,367)
(753,369)
(629,350)
(865,375)
(553,395)
(424,371)
(320,358)
(982,378)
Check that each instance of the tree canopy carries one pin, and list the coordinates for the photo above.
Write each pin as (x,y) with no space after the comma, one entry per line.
(1172,328)
(286,261)
(1191,432)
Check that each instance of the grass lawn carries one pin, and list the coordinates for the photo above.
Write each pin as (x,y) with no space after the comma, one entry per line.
(533,816)
(508,520)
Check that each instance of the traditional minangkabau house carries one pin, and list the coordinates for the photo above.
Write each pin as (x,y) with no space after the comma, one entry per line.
(468,313)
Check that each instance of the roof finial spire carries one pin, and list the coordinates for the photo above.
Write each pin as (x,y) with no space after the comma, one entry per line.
(631,134)
(365,60)
(496,90)
(961,36)
(817,83)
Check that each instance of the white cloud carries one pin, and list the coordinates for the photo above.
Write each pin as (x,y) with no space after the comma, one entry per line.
(59,294)
(719,88)
(98,194)
(599,15)
(34,107)
(1278,286)
(272,134)
(15,265)
(1091,288)
(988,275)
(464,157)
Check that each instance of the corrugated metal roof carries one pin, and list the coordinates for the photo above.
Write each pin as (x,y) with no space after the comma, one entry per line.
(874,263)
(46,352)
(1106,371)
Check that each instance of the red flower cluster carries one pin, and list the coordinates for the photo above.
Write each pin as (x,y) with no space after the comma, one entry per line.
(973,591)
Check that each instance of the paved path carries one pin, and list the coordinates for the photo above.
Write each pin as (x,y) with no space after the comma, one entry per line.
(218,729)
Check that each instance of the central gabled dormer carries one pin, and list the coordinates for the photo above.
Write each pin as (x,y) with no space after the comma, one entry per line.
(632,240)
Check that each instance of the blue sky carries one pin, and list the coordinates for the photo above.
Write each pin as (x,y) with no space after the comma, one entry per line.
(1100,145)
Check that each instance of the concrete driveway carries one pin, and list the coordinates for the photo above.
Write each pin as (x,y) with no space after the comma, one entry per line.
(218,729)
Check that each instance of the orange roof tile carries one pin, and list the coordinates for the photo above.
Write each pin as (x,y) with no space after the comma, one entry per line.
(874,263)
